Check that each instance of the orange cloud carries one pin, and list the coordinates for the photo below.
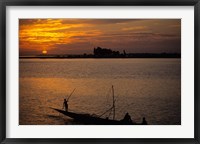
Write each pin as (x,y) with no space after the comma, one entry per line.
(44,34)
(134,28)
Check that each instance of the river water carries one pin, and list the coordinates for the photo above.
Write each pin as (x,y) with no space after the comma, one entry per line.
(149,88)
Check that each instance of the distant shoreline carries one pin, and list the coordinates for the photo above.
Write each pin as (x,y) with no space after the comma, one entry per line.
(121,56)
(93,58)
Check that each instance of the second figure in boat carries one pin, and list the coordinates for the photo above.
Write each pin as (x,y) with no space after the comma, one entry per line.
(127,119)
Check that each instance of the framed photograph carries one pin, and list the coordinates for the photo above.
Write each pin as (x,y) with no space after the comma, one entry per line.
(99,71)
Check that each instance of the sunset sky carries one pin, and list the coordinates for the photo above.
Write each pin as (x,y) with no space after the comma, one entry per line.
(78,36)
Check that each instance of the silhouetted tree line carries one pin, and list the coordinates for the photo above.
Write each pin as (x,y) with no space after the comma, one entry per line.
(108,53)
(153,55)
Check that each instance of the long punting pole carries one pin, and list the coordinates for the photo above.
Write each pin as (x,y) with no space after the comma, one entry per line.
(113,102)
(71,94)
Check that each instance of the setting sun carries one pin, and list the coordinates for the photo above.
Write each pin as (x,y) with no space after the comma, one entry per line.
(44,52)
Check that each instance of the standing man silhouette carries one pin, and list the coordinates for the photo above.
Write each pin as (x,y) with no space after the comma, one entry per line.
(65,105)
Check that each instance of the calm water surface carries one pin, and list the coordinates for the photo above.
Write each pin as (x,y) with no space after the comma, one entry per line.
(148,88)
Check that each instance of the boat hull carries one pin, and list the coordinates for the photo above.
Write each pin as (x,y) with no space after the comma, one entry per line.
(92,120)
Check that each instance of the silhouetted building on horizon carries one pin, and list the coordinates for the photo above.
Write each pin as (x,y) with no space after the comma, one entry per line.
(105,52)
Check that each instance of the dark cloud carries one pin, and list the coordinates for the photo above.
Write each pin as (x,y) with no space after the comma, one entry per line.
(97,21)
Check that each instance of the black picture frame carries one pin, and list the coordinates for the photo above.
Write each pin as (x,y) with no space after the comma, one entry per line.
(5,3)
